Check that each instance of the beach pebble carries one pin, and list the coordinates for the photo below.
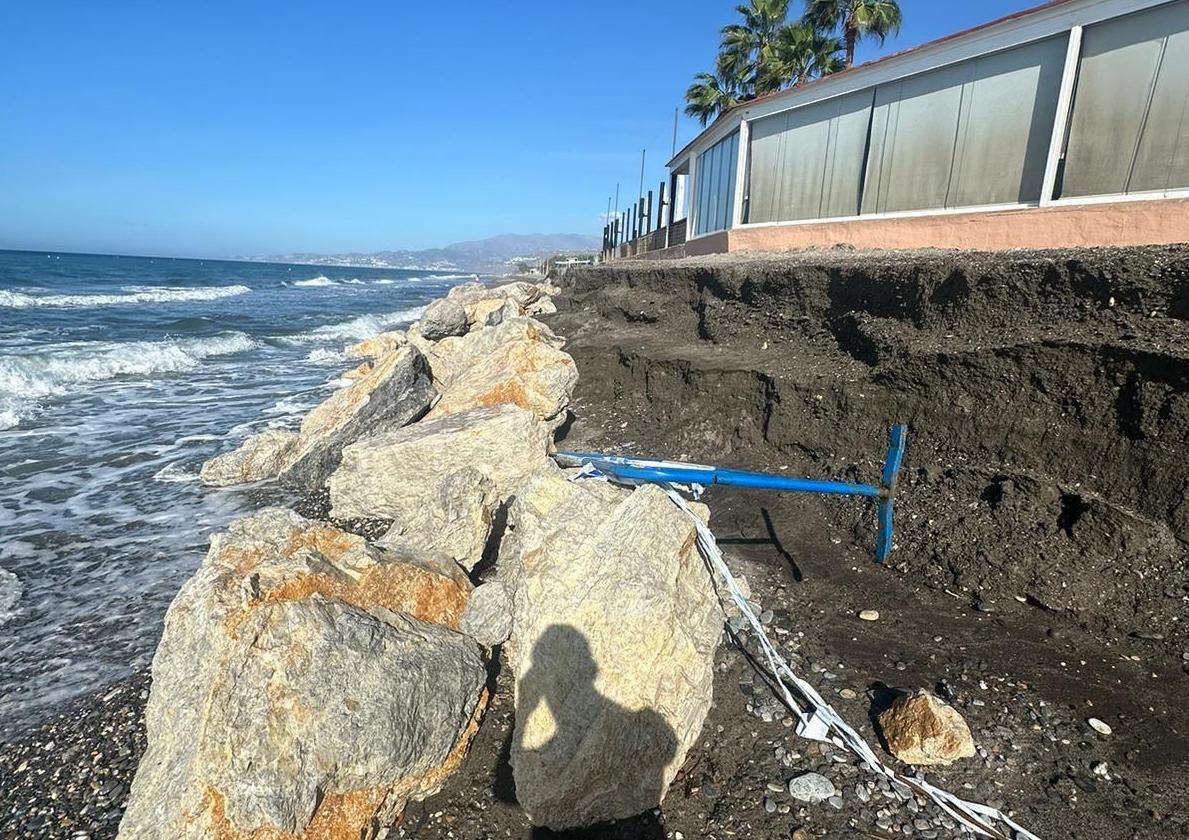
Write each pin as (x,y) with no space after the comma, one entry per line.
(1098,726)
(811,787)
(869,615)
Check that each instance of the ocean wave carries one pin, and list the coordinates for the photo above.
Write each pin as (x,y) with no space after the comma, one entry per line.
(10,595)
(176,473)
(359,327)
(326,356)
(60,369)
(320,280)
(130,295)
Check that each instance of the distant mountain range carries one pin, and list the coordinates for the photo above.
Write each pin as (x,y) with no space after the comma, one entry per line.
(494,255)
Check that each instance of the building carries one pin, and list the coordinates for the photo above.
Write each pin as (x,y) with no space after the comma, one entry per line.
(1064,125)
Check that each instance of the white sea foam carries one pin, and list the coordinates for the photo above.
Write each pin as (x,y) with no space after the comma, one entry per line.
(10,595)
(359,327)
(60,369)
(175,472)
(129,295)
(320,280)
(326,356)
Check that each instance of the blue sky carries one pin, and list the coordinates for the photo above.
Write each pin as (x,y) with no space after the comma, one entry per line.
(233,128)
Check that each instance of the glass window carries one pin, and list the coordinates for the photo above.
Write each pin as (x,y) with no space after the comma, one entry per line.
(715,185)
(1128,130)
(973,133)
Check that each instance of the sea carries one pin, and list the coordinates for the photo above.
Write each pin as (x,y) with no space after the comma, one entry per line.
(119,376)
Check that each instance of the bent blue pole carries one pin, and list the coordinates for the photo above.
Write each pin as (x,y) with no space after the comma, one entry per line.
(676,472)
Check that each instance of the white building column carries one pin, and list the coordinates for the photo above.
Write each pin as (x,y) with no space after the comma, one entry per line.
(1061,118)
(740,173)
(692,188)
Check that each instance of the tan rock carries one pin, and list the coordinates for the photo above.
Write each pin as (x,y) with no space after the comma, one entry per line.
(478,310)
(614,631)
(520,291)
(517,361)
(358,372)
(443,318)
(921,729)
(527,373)
(452,517)
(396,474)
(509,310)
(378,345)
(307,685)
(261,456)
(541,306)
(396,390)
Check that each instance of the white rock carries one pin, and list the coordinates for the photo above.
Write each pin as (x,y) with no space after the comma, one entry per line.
(811,787)
(527,372)
(488,615)
(396,474)
(452,516)
(616,622)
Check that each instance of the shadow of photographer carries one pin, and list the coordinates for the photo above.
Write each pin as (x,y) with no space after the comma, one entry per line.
(577,754)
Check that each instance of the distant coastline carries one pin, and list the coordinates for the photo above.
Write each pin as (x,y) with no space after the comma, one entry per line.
(495,255)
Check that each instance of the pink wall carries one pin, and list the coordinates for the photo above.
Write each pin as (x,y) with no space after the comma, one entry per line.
(1156,222)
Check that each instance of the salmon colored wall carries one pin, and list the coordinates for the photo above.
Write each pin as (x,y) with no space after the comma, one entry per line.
(714,243)
(1156,222)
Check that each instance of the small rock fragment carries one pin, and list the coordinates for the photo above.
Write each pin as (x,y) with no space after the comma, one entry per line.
(487,617)
(921,729)
(811,787)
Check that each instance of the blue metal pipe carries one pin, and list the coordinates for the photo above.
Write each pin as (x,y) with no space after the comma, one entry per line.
(643,469)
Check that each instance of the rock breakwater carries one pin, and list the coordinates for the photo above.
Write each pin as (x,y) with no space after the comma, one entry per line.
(312,681)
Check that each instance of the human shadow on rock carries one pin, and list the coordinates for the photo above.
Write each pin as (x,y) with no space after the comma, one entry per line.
(598,758)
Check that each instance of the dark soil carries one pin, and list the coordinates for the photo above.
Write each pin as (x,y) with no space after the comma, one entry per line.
(1047,397)
(1039,576)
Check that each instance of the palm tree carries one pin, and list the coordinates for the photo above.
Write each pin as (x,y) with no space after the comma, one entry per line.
(856,18)
(713,93)
(802,52)
(752,41)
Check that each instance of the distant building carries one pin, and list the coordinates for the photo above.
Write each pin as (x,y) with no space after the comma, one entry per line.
(1064,125)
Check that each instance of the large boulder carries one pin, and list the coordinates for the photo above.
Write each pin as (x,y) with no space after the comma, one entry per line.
(378,345)
(396,390)
(615,623)
(306,685)
(407,475)
(520,291)
(452,517)
(443,318)
(491,311)
(260,457)
(920,729)
(518,361)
